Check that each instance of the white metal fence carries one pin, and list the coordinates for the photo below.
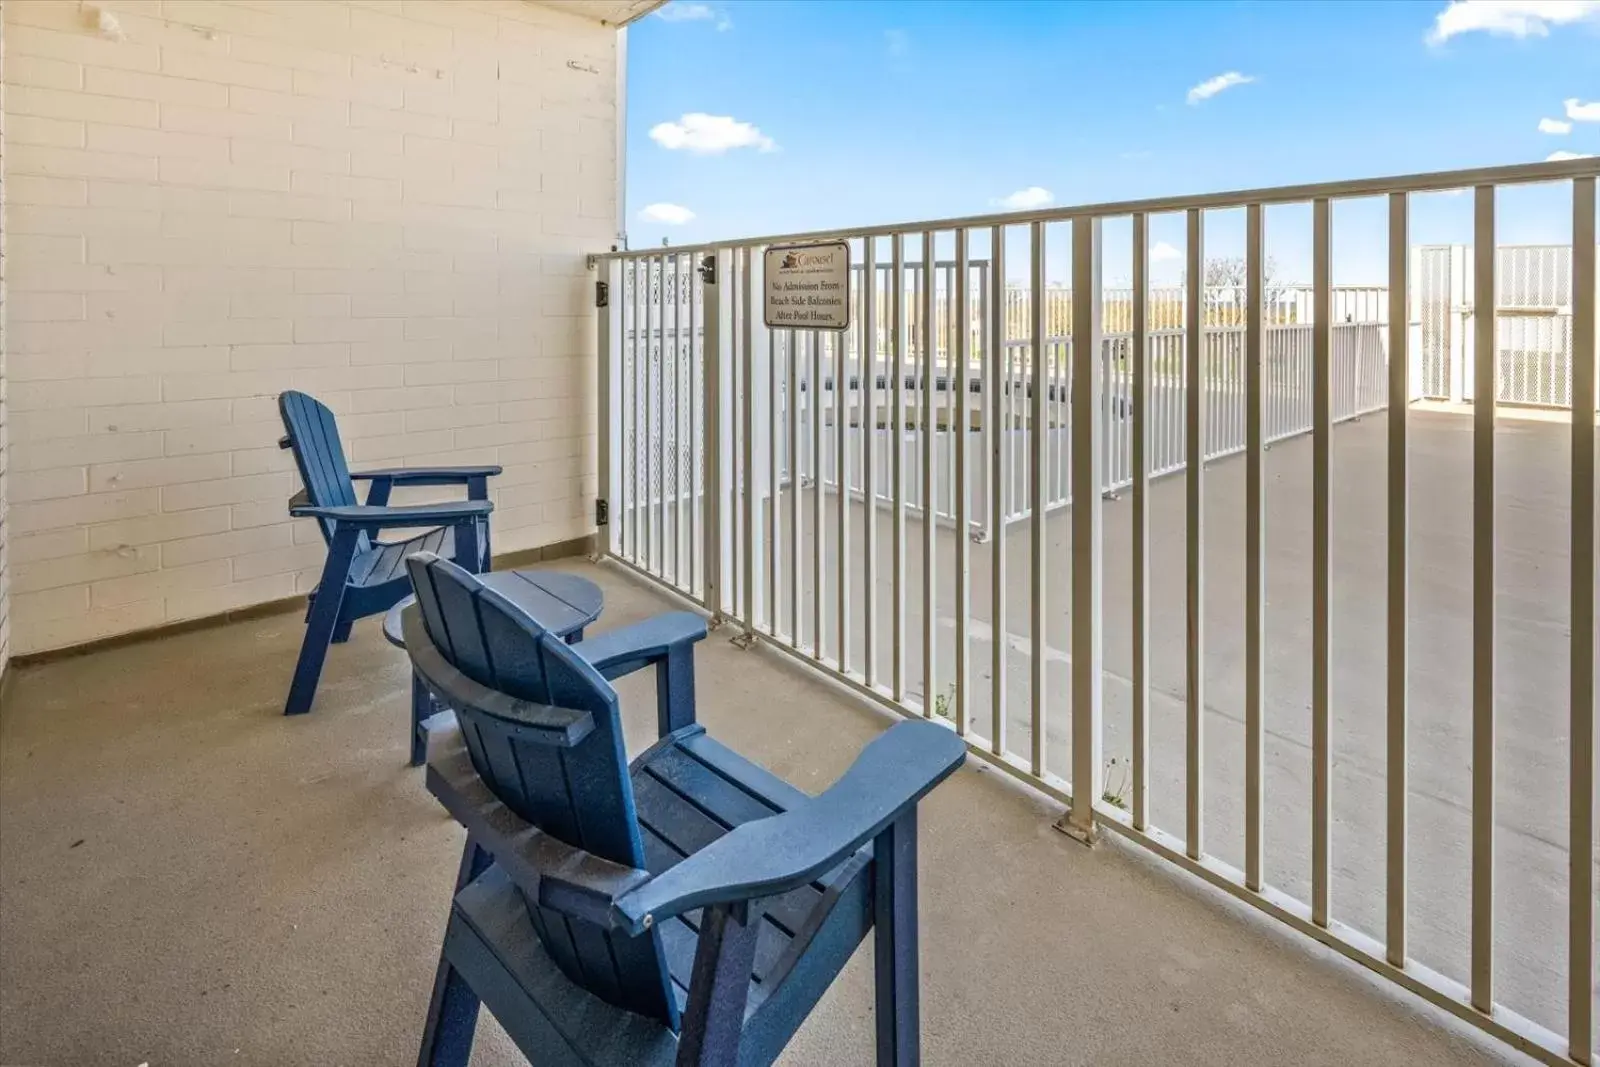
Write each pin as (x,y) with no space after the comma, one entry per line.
(705,415)
(1533,326)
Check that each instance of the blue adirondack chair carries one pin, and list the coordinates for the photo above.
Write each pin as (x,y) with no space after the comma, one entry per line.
(362,575)
(688,909)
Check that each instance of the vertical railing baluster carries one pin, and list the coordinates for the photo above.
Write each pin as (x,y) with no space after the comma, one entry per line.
(641,363)
(683,273)
(1255,544)
(716,372)
(609,343)
(747,474)
(1139,365)
(841,463)
(1483,567)
(1321,556)
(819,500)
(1087,479)
(869,430)
(898,474)
(1194,573)
(1038,487)
(774,538)
(999,472)
(982,336)
(1398,576)
(930,507)
(658,409)
(1580,892)
(794,408)
(961,426)
(697,430)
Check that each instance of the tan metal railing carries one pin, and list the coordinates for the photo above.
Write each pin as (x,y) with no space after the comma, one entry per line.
(776,478)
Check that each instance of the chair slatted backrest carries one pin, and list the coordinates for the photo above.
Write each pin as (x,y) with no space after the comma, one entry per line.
(579,794)
(318,452)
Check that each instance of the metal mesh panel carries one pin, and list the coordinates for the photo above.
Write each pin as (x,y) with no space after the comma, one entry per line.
(1532,334)
(1433,284)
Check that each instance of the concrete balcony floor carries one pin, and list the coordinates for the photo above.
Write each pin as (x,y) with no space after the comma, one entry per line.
(188,878)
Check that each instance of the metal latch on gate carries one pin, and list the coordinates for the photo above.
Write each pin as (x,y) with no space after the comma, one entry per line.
(708,270)
(602,294)
(602,512)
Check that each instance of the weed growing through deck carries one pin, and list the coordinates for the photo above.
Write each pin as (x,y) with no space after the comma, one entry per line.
(1118,797)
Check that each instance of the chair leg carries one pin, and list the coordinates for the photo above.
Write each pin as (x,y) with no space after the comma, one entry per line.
(421,708)
(321,625)
(466,549)
(894,920)
(453,1007)
(675,689)
(719,987)
(341,632)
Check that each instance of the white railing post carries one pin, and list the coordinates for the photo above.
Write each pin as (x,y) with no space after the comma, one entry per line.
(1484,396)
(1321,561)
(1255,546)
(1194,573)
(1038,499)
(1580,957)
(997,377)
(1087,474)
(717,315)
(961,426)
(608,322)
(1398,579)
(869,455)
(756,364)
(1139,366)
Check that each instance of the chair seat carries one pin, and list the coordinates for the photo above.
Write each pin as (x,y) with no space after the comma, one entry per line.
(386,561)
(690,791)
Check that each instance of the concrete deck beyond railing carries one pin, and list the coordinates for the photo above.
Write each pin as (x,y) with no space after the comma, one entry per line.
(188,878)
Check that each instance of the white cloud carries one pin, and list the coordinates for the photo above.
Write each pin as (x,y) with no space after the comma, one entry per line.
(1563,155)
(1212,86)
(681,12)
(1164,253)
(709,135)
(1554,126)
(898,42)
(1509,18)
(669,214)
(1578,111)
(1033,196)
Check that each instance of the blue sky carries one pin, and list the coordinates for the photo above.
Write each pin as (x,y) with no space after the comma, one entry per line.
(816,114)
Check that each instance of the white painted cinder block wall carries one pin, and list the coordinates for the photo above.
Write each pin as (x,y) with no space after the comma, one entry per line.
(5,552)
(386,203)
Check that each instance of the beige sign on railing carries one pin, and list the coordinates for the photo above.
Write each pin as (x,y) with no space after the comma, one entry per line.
(808,287)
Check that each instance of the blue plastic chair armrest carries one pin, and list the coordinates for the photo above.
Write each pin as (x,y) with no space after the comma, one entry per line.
(766,857)
(624,650)
(427,475)
(369,516)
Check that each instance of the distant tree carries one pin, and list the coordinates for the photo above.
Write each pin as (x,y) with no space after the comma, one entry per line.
(1224,279)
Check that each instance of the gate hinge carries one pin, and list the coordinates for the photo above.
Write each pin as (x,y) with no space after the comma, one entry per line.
(602,294)
(708,270)
(602,512)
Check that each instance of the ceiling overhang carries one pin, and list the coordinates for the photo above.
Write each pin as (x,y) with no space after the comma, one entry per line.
(614,13)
